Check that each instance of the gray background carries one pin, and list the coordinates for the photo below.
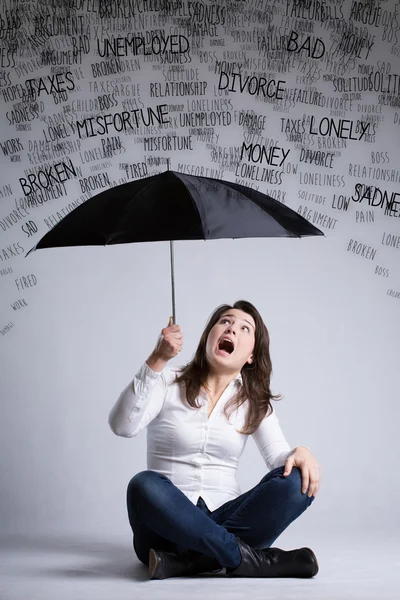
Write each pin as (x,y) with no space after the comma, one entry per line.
(334,355)
(95,316)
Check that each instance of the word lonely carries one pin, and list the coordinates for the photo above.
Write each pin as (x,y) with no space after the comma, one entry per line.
(341,128)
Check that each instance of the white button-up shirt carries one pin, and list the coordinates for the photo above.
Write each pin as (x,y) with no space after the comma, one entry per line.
(200,454)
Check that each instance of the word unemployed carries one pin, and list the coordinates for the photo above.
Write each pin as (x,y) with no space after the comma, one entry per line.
(174,44)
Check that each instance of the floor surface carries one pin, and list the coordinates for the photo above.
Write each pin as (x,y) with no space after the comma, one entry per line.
(50,568)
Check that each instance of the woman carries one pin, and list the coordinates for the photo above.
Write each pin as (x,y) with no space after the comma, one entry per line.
(186,511)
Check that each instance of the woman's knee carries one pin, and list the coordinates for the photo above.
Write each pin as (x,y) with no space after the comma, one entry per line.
(144,483)
(295,482)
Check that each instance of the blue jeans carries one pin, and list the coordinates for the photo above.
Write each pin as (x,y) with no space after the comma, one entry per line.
(163,518)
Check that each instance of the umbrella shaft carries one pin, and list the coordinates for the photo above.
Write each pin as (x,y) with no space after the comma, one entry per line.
(171,247)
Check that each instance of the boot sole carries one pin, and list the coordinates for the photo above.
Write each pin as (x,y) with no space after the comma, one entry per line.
(154,564)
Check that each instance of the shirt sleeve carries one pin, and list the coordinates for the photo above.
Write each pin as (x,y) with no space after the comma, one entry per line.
(271,442)
(140,402)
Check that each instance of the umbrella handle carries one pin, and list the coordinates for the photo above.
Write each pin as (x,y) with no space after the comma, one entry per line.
(171,248)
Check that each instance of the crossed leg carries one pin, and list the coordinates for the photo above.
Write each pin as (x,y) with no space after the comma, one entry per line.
(162,517)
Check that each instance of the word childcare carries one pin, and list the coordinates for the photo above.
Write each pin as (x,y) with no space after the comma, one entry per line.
(254,85)
(122,46)
(122,121)
(274,155)
(47,177)
(341,129)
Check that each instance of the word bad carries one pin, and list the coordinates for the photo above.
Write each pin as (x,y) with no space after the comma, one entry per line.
(318,46)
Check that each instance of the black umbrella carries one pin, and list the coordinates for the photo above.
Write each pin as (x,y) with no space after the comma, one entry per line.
(173,206)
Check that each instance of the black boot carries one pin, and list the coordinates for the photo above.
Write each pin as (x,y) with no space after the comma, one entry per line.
(167,564)
(273,562)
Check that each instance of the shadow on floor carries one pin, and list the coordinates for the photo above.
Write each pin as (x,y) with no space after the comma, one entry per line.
(95,558)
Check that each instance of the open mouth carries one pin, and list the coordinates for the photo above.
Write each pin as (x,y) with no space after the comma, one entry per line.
(225,347)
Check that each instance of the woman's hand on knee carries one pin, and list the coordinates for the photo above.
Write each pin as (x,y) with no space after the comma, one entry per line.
(309,467)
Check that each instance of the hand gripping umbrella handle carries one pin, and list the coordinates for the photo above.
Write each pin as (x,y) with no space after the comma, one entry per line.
(171,247)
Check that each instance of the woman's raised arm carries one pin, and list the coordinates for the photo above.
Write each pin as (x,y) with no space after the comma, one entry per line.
(142,399)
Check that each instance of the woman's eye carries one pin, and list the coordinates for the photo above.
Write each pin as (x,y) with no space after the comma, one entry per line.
(227,321)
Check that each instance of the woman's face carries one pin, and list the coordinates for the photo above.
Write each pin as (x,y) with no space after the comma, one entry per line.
(240,328)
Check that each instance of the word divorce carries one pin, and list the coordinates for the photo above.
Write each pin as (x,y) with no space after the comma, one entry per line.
(255,85)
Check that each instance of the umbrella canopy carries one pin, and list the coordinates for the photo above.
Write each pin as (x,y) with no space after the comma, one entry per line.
(174,206)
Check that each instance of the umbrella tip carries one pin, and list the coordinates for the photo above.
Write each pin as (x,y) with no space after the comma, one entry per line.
(31,250)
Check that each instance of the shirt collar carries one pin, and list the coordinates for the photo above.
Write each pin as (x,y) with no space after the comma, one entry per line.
(239,378)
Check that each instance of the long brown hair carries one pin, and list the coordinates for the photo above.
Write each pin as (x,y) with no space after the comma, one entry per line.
(256,377)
